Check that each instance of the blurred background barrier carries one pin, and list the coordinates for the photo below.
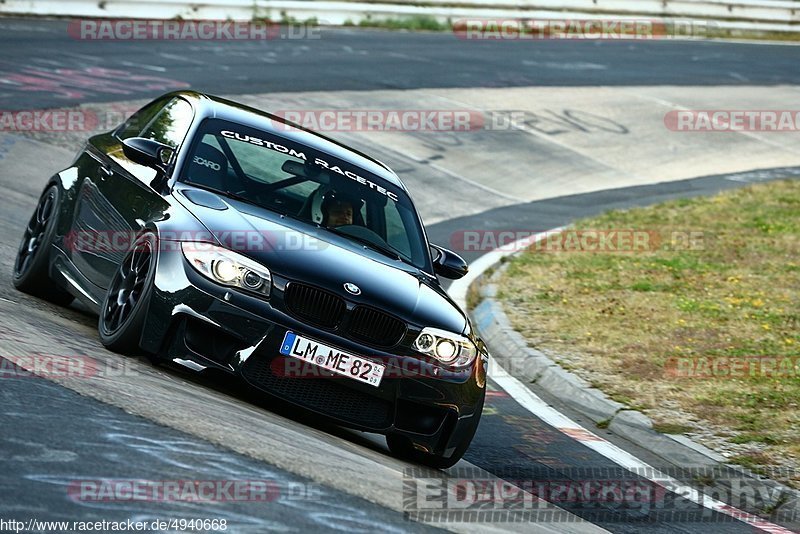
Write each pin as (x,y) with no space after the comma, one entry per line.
(744,15)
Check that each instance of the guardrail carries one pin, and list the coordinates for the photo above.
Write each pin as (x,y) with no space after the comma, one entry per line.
(756,15)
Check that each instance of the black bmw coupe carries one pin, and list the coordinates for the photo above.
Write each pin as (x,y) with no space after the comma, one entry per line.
(216,236)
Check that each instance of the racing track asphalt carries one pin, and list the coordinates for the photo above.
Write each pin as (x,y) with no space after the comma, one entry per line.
(345,59)
(89,441)
(51,69)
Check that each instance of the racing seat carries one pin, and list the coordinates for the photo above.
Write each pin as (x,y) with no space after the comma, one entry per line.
(209,167)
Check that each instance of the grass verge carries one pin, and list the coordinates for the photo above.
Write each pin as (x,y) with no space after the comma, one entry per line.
(410,22)
(700,329)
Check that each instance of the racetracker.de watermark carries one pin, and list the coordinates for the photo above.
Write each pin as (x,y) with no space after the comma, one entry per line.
(64,120)
(719,120)
(115,241)
(104,118)
(55,366)
(521,29)
(725,367)
(210,491)
(298,367)
(49,120)
(385,120)
(577,240)
(187,30)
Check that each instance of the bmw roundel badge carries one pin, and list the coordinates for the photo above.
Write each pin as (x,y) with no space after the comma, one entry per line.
(352,288)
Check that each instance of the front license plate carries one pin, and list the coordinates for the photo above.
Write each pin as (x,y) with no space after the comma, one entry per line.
(332,359)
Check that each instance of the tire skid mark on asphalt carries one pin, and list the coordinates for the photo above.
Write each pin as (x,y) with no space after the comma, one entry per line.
(72,84)
(105,444)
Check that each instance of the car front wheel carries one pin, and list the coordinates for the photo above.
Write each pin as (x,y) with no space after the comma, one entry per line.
(122,315)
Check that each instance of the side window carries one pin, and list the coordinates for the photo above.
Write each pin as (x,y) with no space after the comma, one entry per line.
(171,124)
(137,122)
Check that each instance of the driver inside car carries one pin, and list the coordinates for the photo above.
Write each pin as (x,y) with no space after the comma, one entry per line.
(337,213)
(335,209)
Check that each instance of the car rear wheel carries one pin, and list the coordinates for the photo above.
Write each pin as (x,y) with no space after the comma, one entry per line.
(32,263)
(402,447)
(122,315)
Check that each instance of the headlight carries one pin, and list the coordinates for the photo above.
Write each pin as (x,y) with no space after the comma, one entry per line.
(447,347)
(227,267)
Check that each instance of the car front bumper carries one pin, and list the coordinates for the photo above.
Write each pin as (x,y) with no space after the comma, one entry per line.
(203,325)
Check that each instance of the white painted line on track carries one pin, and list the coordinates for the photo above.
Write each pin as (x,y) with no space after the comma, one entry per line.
(534,404)
(144,66)
(466,180)
(757,136)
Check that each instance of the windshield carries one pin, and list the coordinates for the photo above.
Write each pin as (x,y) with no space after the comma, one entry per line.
(298,181)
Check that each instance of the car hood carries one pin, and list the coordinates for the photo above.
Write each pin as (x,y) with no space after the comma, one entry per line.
(297,251)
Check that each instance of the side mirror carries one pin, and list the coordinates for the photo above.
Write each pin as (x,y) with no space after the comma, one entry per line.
(448,264)
(148,152)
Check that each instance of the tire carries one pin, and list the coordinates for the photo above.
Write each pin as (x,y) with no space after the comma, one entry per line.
(124,309)
(32,264)
(401,447)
